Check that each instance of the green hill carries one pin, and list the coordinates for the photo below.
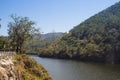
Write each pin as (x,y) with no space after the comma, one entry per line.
(96,39)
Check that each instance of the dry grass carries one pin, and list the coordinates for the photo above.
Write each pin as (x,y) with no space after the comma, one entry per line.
(28,69)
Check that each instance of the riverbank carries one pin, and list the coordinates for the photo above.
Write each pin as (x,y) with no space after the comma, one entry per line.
(22,67)
(110,58)
(77,58)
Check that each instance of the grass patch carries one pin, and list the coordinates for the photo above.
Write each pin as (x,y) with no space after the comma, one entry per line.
(28,69)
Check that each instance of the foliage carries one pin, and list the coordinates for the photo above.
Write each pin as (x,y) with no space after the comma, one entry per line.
(20,29)
(4,43)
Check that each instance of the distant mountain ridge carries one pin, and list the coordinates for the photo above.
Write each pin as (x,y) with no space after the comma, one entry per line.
(41,40)
(52,34)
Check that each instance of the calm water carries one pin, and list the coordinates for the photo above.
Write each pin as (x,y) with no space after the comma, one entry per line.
(76,70)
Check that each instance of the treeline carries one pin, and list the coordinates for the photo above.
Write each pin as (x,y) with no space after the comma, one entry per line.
(96,39)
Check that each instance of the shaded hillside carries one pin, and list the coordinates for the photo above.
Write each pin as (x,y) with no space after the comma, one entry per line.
(96,39)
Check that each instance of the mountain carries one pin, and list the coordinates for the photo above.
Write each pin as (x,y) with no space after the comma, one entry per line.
(96,39)
(52,35)
(41,40)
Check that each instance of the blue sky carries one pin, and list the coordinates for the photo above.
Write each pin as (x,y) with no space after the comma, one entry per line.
(52,15)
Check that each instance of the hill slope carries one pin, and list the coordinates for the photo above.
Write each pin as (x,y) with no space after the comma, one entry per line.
(96,39)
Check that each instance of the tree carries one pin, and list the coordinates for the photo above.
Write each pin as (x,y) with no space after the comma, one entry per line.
(20,30)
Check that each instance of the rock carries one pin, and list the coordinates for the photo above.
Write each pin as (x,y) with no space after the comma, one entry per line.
(7,70)
(3,74)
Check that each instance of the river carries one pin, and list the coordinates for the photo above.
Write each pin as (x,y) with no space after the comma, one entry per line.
(76,70)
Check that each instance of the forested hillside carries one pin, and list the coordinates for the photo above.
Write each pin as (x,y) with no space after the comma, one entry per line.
(95,39)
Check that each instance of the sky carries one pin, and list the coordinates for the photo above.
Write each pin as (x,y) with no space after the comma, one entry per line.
(51,15)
